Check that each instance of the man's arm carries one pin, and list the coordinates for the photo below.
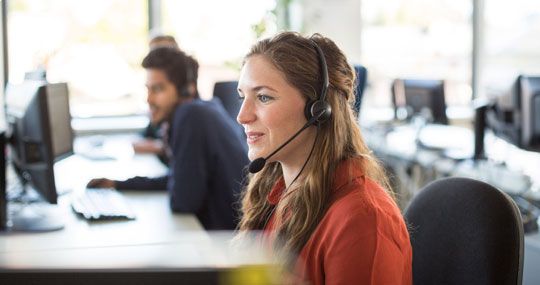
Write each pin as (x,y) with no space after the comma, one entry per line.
(142,183)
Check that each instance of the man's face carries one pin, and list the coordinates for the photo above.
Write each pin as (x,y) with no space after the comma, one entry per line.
(162,95)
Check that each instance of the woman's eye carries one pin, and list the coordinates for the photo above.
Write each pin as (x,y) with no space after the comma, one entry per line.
(264,98)
(241,98)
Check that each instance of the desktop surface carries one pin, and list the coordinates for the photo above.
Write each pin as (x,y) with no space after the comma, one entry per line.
(157,247)
(154,223)
(187,257)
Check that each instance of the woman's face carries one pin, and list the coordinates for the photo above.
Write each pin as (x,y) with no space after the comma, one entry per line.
(272,111)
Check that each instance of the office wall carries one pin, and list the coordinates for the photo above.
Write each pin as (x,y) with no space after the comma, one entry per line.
(338,19)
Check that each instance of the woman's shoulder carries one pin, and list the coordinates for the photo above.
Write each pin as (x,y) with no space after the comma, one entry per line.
(366,204)
(365,213)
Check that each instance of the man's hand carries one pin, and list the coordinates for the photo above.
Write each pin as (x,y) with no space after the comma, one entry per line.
(148,146)
(101,183)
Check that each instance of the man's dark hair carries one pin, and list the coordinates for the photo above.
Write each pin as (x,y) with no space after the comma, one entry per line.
(162,41)
(179,68)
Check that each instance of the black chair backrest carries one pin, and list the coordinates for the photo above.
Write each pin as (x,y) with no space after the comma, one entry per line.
(361,78)
(465,231)
(227,92)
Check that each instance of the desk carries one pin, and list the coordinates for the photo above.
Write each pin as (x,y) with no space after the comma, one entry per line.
(154,223)
(410,166)
(178,257)
(157,247)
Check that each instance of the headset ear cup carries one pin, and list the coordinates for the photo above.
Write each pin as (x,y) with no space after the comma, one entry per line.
(322,110)
(184,93)
(307,109)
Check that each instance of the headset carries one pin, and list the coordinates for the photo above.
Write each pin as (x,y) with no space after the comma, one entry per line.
(320,108)
(316,111)
(190,78)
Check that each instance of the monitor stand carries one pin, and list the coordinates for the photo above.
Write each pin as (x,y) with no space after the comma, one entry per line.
(34,217)
(27,212)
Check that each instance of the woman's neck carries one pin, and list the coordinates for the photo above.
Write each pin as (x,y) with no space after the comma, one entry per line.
(291,167)
(290,173)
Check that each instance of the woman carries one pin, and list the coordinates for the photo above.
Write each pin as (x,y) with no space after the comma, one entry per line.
(321,199)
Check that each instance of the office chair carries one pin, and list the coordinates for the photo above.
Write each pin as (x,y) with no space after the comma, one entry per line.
(465,231)
(227,92)
(361,78)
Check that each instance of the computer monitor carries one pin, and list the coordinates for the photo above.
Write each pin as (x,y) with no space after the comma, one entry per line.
(530,108)
(3,200)
(40,130)
(39,133)
(513,116)
(420,97)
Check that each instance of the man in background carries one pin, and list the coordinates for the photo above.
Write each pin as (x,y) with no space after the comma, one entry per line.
(152,141)
(207,154)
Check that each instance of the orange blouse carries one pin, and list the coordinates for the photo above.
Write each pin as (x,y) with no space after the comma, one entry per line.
(362,238)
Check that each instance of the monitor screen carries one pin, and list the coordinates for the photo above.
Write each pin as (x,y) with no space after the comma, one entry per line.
(515,115)
(530,108)
(39,130)
(60,120)
(424,98)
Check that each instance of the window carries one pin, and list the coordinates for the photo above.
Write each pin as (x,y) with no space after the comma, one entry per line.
(217,33)
(511,43)
(96,46)
(417,39)
(2,74)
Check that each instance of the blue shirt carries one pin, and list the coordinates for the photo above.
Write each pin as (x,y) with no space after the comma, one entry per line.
(206,167)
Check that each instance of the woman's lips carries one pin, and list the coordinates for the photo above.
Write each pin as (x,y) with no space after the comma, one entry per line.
(253,137)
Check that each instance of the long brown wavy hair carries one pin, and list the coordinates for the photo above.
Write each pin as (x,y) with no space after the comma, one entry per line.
(300,211)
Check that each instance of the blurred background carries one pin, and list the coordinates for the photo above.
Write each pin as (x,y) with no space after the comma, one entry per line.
(96,46)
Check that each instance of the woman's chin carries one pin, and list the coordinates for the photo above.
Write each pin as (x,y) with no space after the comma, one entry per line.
(254,154)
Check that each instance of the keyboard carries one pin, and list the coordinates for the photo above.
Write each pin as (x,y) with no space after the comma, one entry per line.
(102,204)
